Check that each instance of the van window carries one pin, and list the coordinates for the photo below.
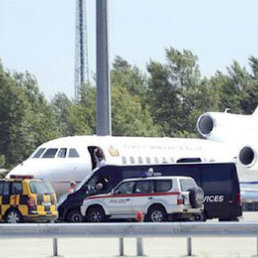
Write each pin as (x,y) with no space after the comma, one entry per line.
(144,187)
(38,153)
(49,154)
(16,188)
(62,153)
(125,188)
(114,176)
(156,160)
(163,185)
(187,184)
(73,153)
(39,187)
(6,188)
(1,187)
(148,160)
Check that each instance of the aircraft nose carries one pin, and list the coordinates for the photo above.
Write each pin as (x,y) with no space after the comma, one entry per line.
(23,169)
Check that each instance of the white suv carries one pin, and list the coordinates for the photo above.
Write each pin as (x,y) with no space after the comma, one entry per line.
(159,198)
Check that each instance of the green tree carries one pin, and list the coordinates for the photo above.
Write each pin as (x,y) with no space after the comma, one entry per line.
(26,119)
(176,91)
(2,160)
(62,107)
(131,78)
(130,112)
(129,118)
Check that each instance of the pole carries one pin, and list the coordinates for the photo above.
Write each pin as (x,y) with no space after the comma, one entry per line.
(139,243)
(103,86)
(121,246)
(55,250)
(189,246)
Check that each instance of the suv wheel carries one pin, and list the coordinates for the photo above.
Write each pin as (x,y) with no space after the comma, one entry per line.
(95,214)
(13,216)
(156,214)
(196,196)
(74,216)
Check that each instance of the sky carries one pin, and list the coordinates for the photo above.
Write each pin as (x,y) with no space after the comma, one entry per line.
(39,35)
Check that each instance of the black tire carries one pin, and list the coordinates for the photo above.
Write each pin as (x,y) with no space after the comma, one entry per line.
(74,216)
(13,216)
(95,214)
(196,197)
(200,217)
(156,213)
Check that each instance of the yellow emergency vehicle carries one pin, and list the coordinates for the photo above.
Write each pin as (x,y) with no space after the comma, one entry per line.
(24,198)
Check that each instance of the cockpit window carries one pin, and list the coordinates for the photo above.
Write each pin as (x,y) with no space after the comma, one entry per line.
(62,153)
(49,154)
(38,153)
(73,153)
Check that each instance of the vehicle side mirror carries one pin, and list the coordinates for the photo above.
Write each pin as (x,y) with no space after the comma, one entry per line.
(99,187)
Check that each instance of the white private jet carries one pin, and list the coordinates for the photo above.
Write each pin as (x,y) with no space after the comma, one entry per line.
(239,133)
(71,158)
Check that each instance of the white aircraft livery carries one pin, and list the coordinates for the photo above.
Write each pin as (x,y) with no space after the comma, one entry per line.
(239,133)
(71,158)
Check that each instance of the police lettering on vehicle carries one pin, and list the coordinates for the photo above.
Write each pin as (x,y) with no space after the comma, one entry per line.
(117,201)
(214,198)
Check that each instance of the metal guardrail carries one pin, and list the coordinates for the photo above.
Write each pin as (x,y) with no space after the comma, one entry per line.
(130,230)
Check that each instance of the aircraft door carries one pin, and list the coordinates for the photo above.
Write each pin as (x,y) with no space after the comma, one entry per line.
(92,150)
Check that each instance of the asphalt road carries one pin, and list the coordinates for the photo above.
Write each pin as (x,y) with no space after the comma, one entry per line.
(153,247)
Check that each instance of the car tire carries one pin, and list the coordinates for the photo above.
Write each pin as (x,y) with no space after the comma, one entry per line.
(95,214)
(196,197)
(13,216)
(156,214)
(74,216)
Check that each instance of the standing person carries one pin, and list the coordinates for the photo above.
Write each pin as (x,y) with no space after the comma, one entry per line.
(72,187)
(99,157)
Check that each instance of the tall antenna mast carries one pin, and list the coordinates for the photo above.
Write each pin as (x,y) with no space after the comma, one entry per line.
(81,48)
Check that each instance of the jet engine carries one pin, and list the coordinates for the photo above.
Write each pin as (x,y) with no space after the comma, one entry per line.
(205,124)
(223,126)
(247,156)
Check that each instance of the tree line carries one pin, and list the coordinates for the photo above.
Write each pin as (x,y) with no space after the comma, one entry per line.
(165,100)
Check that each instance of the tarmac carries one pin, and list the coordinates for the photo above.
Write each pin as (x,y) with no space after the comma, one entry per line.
(152,247)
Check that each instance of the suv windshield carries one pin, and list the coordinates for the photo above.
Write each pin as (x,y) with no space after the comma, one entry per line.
(40,187)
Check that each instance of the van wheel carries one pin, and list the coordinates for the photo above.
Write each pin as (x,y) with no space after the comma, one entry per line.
(200,217)
(74,216)
(95,214)
(13,216)
(156,214)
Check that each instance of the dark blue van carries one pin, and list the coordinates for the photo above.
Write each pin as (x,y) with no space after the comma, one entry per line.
(219,182)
